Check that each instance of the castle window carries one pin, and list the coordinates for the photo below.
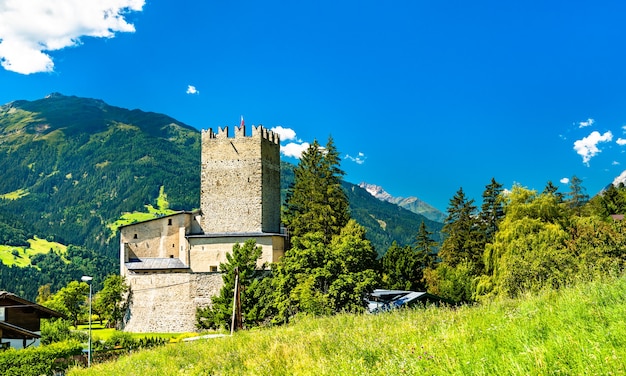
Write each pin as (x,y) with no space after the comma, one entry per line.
(135,237)
(169,221)
(212,268)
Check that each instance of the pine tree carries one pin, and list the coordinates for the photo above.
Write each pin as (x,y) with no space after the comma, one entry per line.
(552,189)
(403,267)
(492,209)
(425,249)
(316,202)
(578,196)
(464,241)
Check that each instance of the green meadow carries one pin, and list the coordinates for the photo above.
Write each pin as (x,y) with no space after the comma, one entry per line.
(21,256)
(580,330)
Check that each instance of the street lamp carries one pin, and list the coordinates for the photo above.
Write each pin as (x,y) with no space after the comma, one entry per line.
(88,279)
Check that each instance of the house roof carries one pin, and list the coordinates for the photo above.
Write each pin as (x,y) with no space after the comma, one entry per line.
(10,331)
(155,264)
(44,312)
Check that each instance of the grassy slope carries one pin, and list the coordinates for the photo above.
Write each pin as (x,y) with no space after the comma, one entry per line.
(23,255)
(579,331)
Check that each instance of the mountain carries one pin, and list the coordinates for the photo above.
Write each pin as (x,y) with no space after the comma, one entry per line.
(72,166)
(621,179)
(413,204)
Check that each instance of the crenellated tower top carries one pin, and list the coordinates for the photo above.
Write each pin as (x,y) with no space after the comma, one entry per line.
(240,132)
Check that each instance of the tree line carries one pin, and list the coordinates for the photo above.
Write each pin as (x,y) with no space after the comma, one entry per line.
(518,241)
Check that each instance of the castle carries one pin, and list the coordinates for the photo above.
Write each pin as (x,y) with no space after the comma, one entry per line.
(172,263)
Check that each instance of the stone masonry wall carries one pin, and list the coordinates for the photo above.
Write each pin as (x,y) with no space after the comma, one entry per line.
(167,302)
(235,174)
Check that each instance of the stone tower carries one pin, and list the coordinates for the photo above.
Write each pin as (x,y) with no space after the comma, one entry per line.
(240,181)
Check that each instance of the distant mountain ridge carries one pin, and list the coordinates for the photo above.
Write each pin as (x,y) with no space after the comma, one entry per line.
(621,179)
(413,204)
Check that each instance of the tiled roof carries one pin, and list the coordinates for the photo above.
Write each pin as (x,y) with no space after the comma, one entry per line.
(156,264)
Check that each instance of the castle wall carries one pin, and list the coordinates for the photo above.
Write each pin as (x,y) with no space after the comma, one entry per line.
(167,302)
(206,253)
(240,181)
(160,238)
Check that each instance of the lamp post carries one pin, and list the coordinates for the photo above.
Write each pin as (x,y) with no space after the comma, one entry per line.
(88,279)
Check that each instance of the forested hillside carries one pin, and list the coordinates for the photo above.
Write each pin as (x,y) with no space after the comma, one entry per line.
(71,166)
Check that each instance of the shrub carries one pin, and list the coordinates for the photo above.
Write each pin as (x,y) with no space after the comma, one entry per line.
(43,360)
(58,331)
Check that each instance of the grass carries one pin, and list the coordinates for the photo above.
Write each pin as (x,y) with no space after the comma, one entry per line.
(100,332)
(577,331)
(15,194)
(21,256)
(134,217)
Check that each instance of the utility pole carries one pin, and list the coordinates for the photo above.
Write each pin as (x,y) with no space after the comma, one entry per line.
(236,318)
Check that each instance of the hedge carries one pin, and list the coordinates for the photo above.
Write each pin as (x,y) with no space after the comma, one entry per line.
(43,360)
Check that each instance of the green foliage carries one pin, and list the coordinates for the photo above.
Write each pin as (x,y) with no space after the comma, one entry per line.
(577,195)
(403,267)
(455,283)
(244,260)
(464,239)
(611,201)
(58,330)
(36,361)
(492,209)
(316,202)
(71,300)
(320,279)
(540,244)
(110,302)
(401,270)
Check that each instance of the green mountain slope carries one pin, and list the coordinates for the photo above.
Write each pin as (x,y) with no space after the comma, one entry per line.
(72,166)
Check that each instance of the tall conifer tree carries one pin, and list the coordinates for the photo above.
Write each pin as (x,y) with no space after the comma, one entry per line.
(578,196)
(492,209)
(464,241)
(316,202)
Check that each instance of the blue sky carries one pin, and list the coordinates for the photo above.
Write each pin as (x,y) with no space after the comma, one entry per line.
(421,97)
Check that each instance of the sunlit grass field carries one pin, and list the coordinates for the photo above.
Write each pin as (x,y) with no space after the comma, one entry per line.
(100,332)
(21,256)
(578,331)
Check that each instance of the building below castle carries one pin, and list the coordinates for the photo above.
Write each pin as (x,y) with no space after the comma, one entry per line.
(172,263)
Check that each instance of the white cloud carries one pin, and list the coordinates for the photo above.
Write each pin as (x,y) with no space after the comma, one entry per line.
(359,159)
(30,29)
(192,90)
(586,123)
(621,142)
(285,134)
(615,163)
(293,149)
(620,179)
(564,181)
(588,146)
